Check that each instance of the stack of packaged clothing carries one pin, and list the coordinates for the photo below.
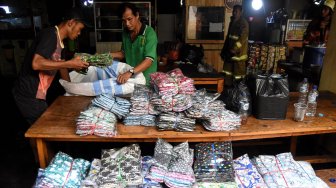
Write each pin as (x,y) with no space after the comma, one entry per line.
(120,168)
(180,172)
(96,121)
(224,120)
(63,171)
(147,162)
(145,120)
(173,165)
(204,104)
(213,166)
(175,121)
(212,112)
(185,84)
(176,103)
(98,175)
(172,83)
(119,106)
(283,171)
(246,174)
(162,156)
(172,94)
(142,112)
(91,179)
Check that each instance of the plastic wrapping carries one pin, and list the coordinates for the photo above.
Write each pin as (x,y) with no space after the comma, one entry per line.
(232,96)
(272,96)
(97,60)
(98,81)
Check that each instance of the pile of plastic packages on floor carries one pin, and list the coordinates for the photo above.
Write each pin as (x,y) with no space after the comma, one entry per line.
(171,102)
(207,165)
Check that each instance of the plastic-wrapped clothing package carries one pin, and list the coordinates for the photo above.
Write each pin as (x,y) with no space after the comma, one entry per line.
(176,103)
(172,83)
(120,168)
(180,172)
(177,121)
(91,179)
(283,171)
(203,104)
(246,174)
(117,105)
(214,163)
(63,171)
(147,162)
(140,101)
(98,60)
(162,156)
(223,120)
(99,81)
(96,121)
(145,120)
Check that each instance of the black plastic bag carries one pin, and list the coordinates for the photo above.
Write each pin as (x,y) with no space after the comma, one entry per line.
(192,53)
(271,96)
(232,96)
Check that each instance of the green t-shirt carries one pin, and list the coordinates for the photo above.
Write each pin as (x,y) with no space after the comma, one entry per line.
(144,46)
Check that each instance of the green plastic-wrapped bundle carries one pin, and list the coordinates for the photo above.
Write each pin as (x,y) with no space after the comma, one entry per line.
(98,60)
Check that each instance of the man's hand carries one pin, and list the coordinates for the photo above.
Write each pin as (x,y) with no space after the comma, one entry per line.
(122,78)
(78,64)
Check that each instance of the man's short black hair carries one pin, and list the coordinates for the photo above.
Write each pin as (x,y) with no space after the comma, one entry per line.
(124,6)
(239,7)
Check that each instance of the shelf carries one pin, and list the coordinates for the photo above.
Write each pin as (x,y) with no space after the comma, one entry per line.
(108,25)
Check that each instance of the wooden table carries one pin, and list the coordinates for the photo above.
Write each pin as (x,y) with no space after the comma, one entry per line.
(211,81)
(213,78)
(59,121)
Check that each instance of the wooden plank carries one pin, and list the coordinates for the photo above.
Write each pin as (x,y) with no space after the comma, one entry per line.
(59,122)
(211,81)
(317,158)
(257,143)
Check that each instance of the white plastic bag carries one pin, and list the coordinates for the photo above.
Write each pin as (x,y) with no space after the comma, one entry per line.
(98,81)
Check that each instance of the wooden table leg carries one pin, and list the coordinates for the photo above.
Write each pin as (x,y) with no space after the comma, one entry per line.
(293,144)
(42,152)
(220,86)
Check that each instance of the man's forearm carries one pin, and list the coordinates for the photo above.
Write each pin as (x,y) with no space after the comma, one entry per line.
(145,64)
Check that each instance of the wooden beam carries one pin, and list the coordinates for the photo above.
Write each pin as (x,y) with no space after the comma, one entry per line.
(317,158)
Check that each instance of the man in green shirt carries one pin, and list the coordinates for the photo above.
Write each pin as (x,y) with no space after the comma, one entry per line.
(139,43)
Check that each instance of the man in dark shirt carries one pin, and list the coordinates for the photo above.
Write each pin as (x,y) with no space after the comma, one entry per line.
(42,62)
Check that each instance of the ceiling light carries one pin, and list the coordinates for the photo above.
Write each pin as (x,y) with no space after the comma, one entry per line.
(257,4)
